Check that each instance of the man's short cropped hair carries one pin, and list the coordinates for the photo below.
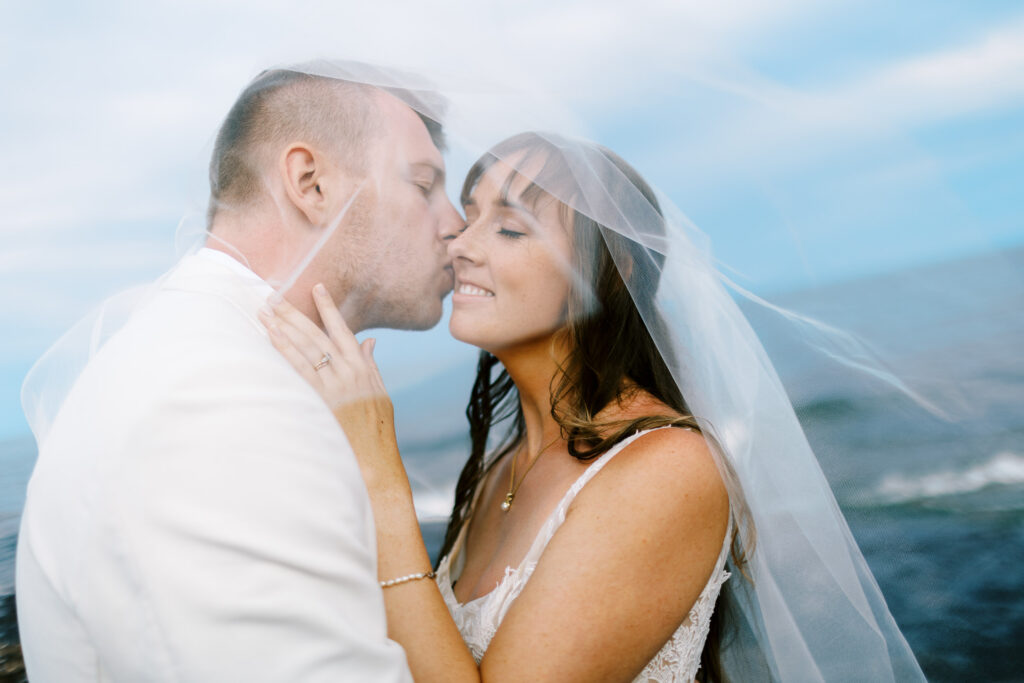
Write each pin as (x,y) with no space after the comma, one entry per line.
(281,106)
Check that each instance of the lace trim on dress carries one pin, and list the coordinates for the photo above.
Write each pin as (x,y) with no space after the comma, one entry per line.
(478,620)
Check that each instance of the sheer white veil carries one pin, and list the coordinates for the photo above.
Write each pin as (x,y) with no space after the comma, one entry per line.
(52,377)
(805,607)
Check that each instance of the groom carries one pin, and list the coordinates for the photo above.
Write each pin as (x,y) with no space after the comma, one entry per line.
(196,514)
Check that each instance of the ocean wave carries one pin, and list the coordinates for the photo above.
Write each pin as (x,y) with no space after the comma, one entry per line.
(433,505)
(828,406)
(1003,469)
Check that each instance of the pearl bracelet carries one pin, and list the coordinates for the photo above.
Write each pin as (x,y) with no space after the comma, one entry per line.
(406,578)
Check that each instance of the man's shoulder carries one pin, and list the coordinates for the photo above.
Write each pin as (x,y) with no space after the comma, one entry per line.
(194,337)
(193,347)
(200,307)
(203,294)
(196,328)
(189,357)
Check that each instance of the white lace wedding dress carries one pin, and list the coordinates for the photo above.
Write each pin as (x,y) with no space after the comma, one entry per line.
(478,620)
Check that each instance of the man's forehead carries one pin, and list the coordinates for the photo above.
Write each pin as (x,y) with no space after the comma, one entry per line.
(404,125)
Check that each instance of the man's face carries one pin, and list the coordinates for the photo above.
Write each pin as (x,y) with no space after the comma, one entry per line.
(397,264)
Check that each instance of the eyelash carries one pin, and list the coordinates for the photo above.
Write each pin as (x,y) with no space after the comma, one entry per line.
(504,232)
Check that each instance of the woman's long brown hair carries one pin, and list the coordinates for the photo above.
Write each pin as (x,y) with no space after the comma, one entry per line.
(612,354)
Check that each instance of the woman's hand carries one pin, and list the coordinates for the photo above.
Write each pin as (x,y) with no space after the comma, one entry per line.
(350,383)
(344,373)
(349,373)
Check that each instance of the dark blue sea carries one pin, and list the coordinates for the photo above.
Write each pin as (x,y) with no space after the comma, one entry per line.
(933,490)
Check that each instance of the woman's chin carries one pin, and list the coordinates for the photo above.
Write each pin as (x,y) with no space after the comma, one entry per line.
(506,347)
(464,335)
(474,337)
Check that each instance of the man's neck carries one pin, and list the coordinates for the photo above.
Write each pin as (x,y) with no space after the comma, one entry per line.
(259,247)
(252,241)
(218,245)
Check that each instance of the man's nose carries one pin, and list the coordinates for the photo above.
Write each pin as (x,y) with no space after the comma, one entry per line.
(451,222)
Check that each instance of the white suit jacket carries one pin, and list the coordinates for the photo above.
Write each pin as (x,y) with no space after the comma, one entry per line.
(196,514)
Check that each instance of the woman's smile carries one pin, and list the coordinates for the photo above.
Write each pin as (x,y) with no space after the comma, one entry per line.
(515,243)
(469,291)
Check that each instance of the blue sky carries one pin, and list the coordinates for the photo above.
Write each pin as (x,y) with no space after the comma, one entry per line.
(812,141)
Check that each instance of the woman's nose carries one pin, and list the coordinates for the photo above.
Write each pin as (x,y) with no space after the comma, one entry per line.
(465,246)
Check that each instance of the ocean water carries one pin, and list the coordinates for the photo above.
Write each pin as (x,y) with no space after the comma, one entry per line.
(934,495)
(936,503)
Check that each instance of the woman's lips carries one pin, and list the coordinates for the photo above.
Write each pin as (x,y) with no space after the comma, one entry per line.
(469,289)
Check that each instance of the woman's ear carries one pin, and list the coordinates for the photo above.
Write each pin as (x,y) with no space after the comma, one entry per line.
(301,170)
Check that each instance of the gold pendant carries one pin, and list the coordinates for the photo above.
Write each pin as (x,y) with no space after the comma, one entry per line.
(507,503)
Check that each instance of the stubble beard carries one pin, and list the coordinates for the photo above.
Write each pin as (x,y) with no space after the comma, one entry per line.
(377,292)
(400,310)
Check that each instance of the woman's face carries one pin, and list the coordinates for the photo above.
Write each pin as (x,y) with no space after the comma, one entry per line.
(512,265)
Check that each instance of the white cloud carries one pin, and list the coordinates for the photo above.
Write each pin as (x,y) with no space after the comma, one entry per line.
(117,104)
(113,107)
(987,73)
(51,260)
(786,127)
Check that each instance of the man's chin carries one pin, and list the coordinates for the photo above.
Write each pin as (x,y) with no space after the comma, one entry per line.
(426,317)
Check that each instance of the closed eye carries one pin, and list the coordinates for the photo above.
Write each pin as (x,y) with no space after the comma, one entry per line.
(448,238)
(511,234)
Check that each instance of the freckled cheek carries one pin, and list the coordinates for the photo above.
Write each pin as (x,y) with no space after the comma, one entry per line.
(544,290)
(551,276)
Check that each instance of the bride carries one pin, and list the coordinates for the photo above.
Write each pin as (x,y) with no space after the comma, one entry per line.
(630,441)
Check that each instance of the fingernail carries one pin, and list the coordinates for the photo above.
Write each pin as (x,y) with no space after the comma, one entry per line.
(275,330)
(319,289)
(265,311)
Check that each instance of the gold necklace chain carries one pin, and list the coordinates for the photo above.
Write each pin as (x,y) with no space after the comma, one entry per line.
(506,504)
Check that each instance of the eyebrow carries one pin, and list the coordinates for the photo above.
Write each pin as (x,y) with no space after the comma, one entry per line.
(506,203)
(438,171)
(503,202)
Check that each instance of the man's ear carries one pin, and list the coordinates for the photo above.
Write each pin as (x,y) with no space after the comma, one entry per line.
(301,170)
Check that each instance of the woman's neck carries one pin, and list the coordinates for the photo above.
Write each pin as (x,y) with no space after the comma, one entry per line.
(532,368)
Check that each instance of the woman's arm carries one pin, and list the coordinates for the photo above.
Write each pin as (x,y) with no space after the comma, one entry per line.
(417,615)
(636,549)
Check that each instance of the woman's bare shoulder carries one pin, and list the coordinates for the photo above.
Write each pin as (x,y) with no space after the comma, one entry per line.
(679,452)
(670,470)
